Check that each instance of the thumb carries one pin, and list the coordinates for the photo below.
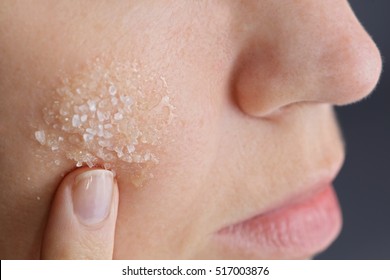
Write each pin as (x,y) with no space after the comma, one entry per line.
(82,219)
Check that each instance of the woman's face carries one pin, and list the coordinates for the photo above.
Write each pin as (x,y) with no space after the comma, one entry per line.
(222,133)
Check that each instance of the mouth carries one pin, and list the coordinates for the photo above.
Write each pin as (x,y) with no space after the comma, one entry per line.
(300,228)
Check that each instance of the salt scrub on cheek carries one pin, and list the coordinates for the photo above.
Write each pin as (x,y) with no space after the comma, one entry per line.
(106,115)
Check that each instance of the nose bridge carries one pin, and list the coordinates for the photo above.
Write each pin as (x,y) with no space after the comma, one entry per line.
(313,51)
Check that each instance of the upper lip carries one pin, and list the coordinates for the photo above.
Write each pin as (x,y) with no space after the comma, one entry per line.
(322,179)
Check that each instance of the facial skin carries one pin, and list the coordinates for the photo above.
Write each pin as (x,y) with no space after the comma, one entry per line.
(252,83)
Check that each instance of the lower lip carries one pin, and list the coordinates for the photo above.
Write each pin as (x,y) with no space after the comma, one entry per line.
(298,230)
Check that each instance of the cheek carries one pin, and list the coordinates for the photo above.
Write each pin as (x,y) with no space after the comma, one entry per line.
(112,114)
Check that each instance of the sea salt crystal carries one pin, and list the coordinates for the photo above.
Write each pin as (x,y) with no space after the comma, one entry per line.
(165,99)
(119,151)
(90,163)
(83,109)
(127,158)
(100,153)
(130,148)
(79,164)
(63,112)
(91,105)
(107,135)
(100,131)
(87,137)
(91,131)
(137,158)
(65,128)
(112,90)
(76,122)
(84,118)
(127,100)
(147,156)
(100,116)
(114,101)
(103,103)
(118,116)
(104,143)
(110,157)
(40,136)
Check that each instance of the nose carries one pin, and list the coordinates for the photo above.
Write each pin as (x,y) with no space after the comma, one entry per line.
(310,51)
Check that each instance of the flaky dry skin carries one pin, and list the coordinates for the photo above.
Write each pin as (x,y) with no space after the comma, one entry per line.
(106,113)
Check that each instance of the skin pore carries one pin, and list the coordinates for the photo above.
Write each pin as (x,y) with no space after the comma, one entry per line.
(247,123)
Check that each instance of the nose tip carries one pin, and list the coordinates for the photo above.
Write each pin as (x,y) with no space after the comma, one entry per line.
(335,63)
(351,70)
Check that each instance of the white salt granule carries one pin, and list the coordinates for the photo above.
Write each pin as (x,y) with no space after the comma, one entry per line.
(147,156)
(40,136)
(118,116)
(83,109)
(87,137)
(119,151)
(91,105)
(130,148)
(127,100)
(100,131)
(84,118)
(76,122)
(100,116)
(89,163)
(103,116)
(104,143)
(114,101)
(107,135)
(112,90)
(63,112)
(91,131)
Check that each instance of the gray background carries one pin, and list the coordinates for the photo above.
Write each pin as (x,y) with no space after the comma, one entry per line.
(363,185)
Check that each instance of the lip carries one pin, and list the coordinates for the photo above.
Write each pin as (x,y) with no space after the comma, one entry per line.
(299,228)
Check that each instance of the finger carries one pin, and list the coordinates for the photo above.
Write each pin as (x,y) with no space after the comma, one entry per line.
(82,219)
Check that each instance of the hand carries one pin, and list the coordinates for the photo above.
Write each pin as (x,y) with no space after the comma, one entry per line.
(82,220)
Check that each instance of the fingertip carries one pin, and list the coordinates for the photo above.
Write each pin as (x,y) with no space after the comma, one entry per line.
(92,196)
(82,219)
